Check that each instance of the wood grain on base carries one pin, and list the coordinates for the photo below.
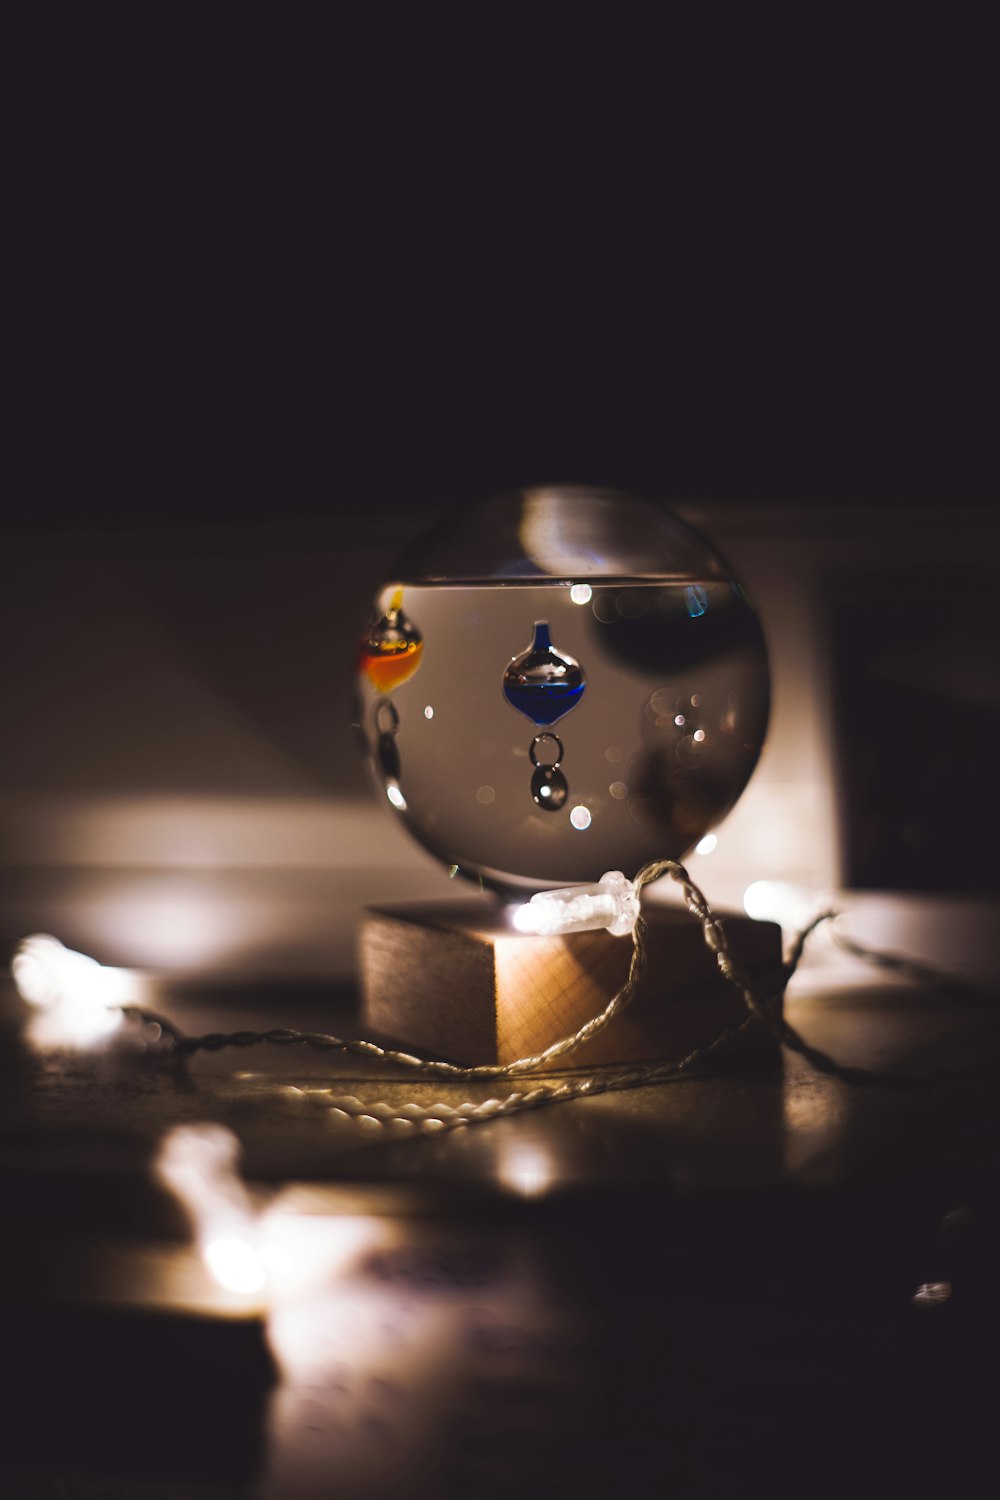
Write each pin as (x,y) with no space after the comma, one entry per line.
(447,979)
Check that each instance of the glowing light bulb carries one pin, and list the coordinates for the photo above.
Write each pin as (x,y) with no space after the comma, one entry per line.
(48,973)
(778,901)
(79,999)
(235,1264)
(613,903)
(526,1168)
(198,1164)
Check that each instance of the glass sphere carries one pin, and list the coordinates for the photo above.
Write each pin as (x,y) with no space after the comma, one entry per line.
(559,682)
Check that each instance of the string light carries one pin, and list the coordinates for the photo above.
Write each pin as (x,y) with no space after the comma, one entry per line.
(276,1259)
(47,973)
(613,904)
(778,901)
(78,1000)
(202,1169)
(197,1163)
(271,1253)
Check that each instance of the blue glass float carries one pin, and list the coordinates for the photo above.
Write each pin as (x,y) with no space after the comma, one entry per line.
(542,683)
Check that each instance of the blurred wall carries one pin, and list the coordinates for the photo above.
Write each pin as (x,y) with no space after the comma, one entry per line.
(180,785)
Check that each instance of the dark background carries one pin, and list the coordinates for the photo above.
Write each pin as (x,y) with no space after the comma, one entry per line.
(917,694)
(298,264)
(287,284)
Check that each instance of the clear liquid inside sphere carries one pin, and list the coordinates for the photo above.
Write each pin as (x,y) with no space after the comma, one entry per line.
(563,682)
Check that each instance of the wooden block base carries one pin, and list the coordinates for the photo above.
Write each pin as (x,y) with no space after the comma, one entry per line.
(448,979)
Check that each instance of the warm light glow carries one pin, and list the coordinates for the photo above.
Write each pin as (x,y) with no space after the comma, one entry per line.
(35,969)
(613,903)
(299,1250)
(277,1250)
(526,1168)
(707,844)
(778,901)
(528,918)
(932,1294)
(235,1264)
(277,1260)
(177,922)
(581,593)
(761,899)
(198,1164)
(580,817)
(78,998)
(47,973)
(67,1026)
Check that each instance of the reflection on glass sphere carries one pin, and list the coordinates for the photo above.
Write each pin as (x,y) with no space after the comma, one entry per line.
(640,644)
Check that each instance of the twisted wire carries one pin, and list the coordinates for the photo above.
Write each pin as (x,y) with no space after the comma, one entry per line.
(780,1028)
(440,1115)
(444,1116)
(798,945)
(324,1042)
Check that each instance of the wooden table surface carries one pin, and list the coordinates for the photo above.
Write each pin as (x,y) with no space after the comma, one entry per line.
(700,1288)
